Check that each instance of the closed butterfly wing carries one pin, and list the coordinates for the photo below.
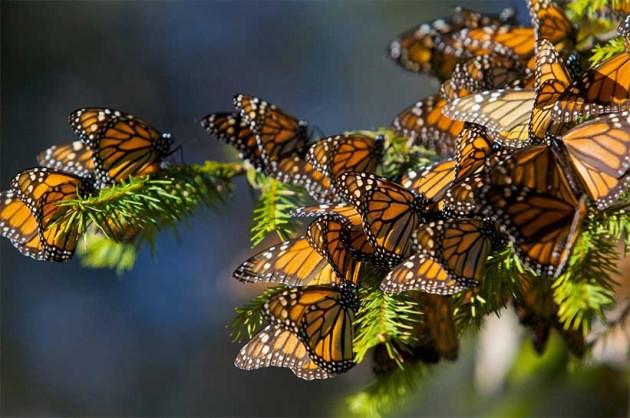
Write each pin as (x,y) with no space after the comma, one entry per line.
(421,272)
(506,114)
(599,151)
(235,131)
(122,145)
(431,184)
(425,124)
(552,80)
(277,347)
(535,203)
(330,237)
(339,154)
(322,317)
(17,222)
(602,89)
(278,134)
(293,262)
(74,158)
(551,23)
(359,245)
(295,170)
(389,212)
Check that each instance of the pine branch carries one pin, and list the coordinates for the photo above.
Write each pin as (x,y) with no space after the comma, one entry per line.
(137,208)
(399,156)
(585,289)
(387,392)
(249,317)
(383,318)
(273,213)
(98,251)
(603,52)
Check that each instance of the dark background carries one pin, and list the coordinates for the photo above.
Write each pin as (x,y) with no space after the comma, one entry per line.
(82,342)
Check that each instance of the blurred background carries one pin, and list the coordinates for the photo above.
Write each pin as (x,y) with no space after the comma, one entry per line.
(153,342)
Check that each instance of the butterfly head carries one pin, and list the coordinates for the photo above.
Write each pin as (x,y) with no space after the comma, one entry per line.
(164,143)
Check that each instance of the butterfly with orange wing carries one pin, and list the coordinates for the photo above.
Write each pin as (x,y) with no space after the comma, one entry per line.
(32,214)
(425,48)
(122,145)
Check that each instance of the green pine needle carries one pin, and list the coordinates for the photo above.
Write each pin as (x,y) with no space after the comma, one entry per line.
(249,317)
(400,156)
(383,318)
(274,210)
(607,50)
(98,251)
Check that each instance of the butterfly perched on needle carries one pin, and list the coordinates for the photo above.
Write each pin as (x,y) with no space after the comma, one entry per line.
(32,214)
(122,145)
(450,257)
(310,331)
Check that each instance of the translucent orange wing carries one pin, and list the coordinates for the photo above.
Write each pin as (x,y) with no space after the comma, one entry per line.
(505,113)
(432,183)
(293,262)
(322,317)
(533,200)
(425,124)
(277,347)
(599,151)
(17,222)
(421,272)
(295,170)
(552,80)
(551,23)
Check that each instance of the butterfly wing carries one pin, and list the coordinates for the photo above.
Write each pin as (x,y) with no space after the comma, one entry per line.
(330,238)
(293,262)
(388,212)
(338,154)
(599,151)
(421,272)
(122,145)
(277,347)
(506,112)
(17,222)
(432,183)
(294,170)
(278,134)
(533,200)
(74,158)
(235,131)
(425,124)
(603,89)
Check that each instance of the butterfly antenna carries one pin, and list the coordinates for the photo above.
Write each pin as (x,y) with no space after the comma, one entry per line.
(317,131)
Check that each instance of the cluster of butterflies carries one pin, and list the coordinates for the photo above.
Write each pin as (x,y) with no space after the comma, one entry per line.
(112,147)
(531,142)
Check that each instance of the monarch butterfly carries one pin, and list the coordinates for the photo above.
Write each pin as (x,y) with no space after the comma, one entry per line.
(389,212)
(451,257)
(330,237)
(485,72)
(278,134)
(295,170)
(235,131)
(294,262)
(278,347)
(322,318)
(74,158)
(425,48)
(439,324)
(505,113)
(534,202)
(358,243)
(121,145)
(551,23)
(338,154)
(425,124)
(599,152)
(602,89)
(31,213)
(431,184)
